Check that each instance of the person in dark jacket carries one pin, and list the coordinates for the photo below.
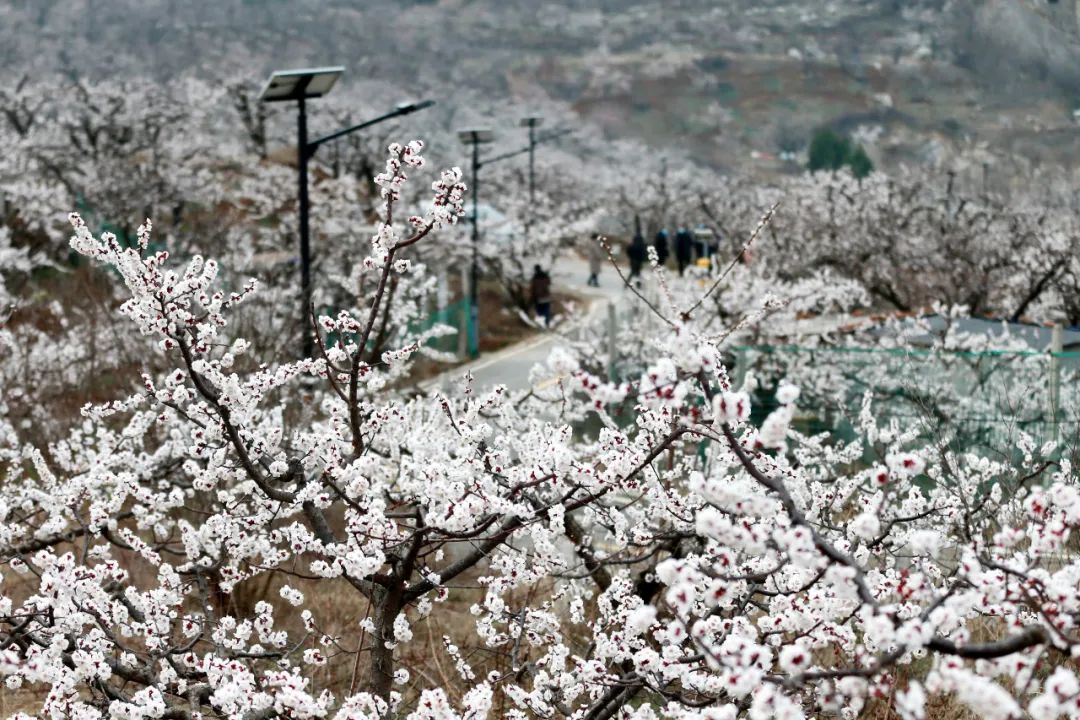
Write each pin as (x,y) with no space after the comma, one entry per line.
(714,244)
(540,289)
(684,247)
(661,245)
(637,253)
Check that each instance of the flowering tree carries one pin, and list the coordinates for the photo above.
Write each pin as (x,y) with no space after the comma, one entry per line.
(540,229)
(172,150)
(916,238)
(251,540)
(184,313)
(973,389)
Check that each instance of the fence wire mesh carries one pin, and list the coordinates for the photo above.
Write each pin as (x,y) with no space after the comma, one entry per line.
(970,400)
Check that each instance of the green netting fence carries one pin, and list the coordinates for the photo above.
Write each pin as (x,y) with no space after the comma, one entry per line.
(457,316)
(971,400)
(99,225)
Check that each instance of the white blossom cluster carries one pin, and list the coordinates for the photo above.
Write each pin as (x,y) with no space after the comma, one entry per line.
(238,533)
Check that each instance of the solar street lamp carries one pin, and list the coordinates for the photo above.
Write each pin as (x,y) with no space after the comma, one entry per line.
(532,123)
(308,83)
(301,86)
(476,138)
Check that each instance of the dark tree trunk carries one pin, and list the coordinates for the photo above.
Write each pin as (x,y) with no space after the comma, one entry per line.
(381,677)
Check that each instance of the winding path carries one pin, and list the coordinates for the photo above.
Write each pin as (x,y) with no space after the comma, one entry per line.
(510,366)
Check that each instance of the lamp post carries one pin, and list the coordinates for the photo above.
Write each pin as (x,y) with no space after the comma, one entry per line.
(302,85)
(532,123)
(476,138)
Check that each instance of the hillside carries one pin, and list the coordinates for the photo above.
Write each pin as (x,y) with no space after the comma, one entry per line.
(736,83)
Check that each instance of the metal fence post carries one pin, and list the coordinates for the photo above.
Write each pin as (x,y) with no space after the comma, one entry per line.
(442,290)
(463,318)
(612,328)
(1056,347)
(442,310)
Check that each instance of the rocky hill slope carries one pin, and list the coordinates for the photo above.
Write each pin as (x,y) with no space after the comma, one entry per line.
(739,83)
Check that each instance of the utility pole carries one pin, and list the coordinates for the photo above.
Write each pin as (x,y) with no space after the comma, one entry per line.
(475,138)
(474,272)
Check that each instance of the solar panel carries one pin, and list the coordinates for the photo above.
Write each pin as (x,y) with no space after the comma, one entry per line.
(305,83)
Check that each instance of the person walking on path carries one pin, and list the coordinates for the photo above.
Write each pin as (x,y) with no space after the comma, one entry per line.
(714,243)
(661,245)
(597,255)
(637,253)
(540,289)
(684,246)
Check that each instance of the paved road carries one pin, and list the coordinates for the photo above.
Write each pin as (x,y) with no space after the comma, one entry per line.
(510,366)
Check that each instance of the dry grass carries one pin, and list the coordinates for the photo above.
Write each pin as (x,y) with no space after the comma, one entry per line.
(338,609)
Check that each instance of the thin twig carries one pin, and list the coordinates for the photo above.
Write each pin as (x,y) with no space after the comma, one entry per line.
(753,236)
